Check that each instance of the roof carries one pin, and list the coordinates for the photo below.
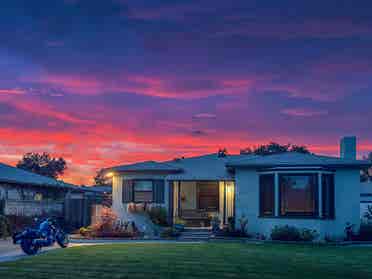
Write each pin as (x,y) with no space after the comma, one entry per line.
(207,167)
(9,174)
(150,166)
(294,159)
(98,189)
(214,167)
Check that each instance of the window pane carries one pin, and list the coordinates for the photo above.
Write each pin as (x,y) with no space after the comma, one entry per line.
(208,196)
(143,196)
(328,196)
(298,194)
(143,191)
(143,185)
(267,195)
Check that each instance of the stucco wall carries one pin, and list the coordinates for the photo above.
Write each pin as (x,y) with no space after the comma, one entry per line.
(346,203)
(120,208)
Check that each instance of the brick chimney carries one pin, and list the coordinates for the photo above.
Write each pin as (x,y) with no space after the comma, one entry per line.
(348,148)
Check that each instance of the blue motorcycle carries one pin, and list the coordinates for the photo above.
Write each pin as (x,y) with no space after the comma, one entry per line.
(32,240)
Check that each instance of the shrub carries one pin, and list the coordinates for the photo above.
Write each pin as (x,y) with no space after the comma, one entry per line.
(231,224)
(5,230)
(110,226)
(291,233)
(243,221)
(158,215)
(365,232)
(170,233)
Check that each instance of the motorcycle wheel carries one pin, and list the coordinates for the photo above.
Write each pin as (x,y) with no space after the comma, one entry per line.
(62,239)
(28,247)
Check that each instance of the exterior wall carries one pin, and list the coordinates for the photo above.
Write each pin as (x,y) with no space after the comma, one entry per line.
(346,205)
(121,209)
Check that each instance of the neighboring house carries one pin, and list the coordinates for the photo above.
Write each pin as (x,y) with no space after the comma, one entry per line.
(303,190)
(23,193)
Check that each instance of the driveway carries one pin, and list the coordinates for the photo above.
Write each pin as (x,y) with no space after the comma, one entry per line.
(10,252)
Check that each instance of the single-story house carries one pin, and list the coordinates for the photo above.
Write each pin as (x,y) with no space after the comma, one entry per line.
(23,193)
(303,190)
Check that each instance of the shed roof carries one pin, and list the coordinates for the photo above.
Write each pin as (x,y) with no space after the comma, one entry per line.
(9,174)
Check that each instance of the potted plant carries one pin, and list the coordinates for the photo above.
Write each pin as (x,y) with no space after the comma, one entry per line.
(179,224)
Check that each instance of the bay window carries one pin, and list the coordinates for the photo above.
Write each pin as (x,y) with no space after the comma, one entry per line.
(298,194)
(294,194)
(267,195)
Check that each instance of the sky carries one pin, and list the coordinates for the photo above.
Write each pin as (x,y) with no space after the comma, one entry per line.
(108,82)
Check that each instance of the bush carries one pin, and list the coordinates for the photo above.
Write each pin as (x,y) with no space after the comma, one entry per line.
(109,226)
(170,233)
(158,215)
(365,232)
(5,230)
(290,233)
(243,222)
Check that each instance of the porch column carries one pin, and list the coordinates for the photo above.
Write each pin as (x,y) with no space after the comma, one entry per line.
(320,195)
(170,202)
(276,192)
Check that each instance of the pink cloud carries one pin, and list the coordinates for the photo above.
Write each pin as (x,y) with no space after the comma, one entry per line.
(303,112)
(164,87)
(13,91)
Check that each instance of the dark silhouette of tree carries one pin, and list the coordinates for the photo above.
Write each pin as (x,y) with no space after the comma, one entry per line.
(299,149)
(222,152)
(101,179)
(43,164)
(274,148)
(366,174)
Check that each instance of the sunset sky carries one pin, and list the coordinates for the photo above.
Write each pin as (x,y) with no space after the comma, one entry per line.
(111,82)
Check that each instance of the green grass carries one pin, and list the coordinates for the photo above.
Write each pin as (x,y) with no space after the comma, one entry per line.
(218,260)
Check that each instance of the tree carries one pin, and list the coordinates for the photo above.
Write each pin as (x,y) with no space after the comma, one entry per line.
(366,174)
(43,164)
(274,148)
(101,179)
(222,152)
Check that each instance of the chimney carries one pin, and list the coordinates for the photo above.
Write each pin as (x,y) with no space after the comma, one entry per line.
(348,148)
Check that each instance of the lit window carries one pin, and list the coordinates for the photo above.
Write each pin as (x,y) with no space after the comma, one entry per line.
(143,191)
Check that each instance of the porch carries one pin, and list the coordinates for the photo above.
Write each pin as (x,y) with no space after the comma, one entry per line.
(197,202)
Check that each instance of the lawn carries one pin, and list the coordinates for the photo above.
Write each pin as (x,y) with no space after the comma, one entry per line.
(218,260)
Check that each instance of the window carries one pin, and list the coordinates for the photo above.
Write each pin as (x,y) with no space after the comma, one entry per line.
(328,196)
(267,195)
(143,190)
(298,194)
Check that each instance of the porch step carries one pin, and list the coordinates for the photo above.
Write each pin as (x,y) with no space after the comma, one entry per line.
(195,234)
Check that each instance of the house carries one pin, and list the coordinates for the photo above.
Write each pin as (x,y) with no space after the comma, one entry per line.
(303,190)
(23,193)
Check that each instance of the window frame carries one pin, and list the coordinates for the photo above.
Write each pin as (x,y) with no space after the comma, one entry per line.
(328,198)
(317,172)
(261,200)
(315,194)
(147,191)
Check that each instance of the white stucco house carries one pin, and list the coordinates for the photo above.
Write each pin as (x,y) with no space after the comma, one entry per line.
(303,190)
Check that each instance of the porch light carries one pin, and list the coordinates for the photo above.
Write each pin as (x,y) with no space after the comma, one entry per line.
(109,174)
